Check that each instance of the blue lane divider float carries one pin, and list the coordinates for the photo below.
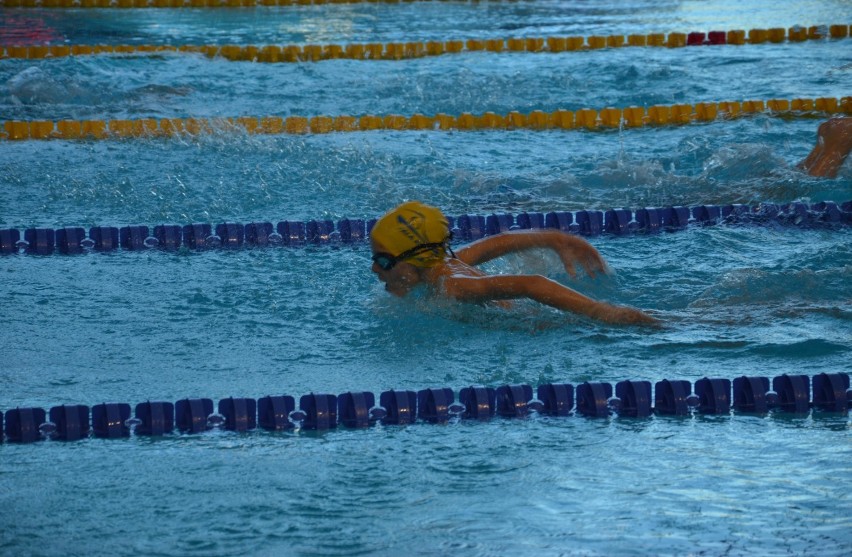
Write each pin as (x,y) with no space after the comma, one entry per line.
(73,240)
(794,394)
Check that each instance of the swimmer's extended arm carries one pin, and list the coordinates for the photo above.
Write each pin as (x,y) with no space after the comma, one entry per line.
(834,141)
(542,290)
(571,249)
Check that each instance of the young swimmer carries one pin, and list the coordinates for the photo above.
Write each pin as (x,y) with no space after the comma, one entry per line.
(411,247)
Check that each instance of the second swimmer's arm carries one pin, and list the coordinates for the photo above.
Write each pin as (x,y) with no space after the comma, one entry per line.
(571,249)
(834,142)
(542,290)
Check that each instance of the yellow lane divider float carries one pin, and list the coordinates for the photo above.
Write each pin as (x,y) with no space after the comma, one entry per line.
(398,51)
(588,119)
(191,3)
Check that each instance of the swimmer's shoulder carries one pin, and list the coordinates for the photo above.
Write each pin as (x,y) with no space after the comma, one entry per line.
(444,278)
(454,267)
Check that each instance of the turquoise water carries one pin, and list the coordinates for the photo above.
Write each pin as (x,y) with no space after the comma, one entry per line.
(134,326)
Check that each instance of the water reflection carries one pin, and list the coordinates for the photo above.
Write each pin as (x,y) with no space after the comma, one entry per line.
(25,28)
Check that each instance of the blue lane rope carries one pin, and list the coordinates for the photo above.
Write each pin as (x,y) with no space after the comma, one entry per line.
(748,395)
(72,240)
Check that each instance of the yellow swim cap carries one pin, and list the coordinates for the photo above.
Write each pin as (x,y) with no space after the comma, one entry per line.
(410,225)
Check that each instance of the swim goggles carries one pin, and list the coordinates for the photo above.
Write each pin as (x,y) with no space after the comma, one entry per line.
(387,261)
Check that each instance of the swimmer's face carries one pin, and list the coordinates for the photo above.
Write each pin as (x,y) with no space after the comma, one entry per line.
(401,278)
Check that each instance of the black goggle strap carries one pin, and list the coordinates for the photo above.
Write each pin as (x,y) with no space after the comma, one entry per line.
(390,260)
(418,249)
(447,244)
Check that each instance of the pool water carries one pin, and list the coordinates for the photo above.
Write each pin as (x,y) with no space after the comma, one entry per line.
(155,325)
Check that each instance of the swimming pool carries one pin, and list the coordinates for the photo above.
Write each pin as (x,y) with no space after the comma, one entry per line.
(157,325)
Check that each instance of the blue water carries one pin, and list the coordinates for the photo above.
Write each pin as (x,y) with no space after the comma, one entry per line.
(134,326)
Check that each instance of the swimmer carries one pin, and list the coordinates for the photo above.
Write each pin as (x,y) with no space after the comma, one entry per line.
(411,247)
(834,141)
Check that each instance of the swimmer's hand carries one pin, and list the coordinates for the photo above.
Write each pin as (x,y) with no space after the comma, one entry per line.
(624,315)
(574,250)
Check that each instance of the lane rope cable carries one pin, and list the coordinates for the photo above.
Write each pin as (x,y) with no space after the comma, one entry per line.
(827,394)
(616,222)
(583,119)
(419,49)
(208,3)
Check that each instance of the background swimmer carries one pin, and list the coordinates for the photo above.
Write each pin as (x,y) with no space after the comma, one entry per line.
(834,141)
